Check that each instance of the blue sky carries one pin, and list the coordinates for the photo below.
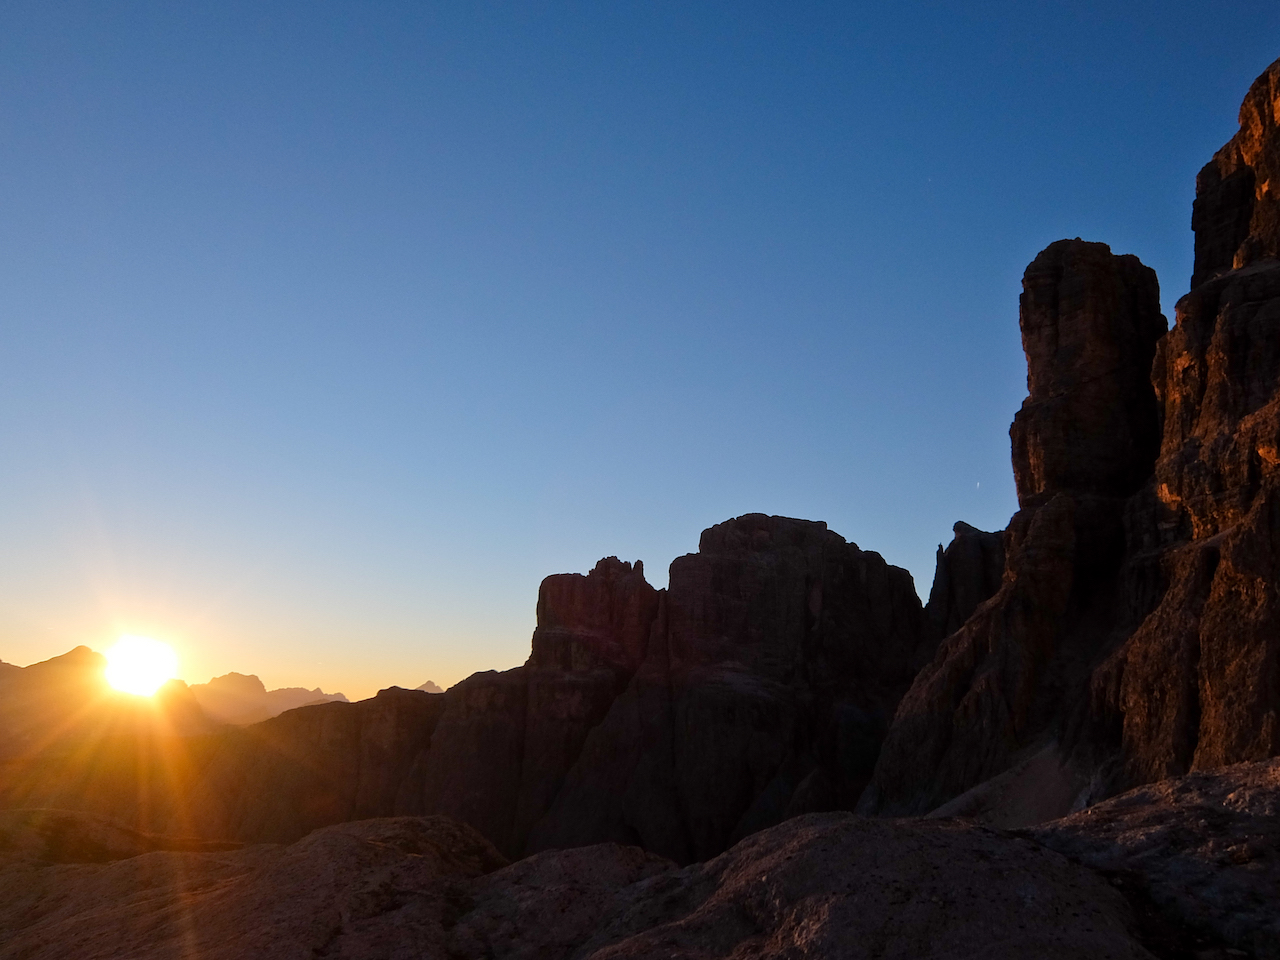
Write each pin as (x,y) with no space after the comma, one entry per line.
(328,329)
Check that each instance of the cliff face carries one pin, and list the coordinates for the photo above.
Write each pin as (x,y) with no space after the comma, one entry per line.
(774,663)
(757,687)
(1198,684)
(1236,214)
(1084,438)
(1136,634)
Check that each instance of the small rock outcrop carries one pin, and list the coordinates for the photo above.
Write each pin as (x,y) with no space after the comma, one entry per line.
(1204,848)
(968,573)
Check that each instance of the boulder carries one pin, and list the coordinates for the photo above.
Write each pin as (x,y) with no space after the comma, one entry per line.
(1204,849)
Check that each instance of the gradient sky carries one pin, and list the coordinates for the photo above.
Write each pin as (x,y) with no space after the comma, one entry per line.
(328,329)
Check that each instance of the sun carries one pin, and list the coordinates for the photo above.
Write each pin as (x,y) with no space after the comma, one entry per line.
(140,665)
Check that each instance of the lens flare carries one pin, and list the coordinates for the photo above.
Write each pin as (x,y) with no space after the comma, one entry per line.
(140,665)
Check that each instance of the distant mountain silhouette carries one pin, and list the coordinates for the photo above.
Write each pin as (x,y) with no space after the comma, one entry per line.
(243,699)
(430,687)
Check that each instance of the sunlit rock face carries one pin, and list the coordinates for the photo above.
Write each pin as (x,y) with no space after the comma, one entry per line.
(1198,684)
(1236,215)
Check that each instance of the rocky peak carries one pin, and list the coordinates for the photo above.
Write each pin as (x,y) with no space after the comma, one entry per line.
(598,620)
(968,572)
(1090,321)
(1236,214)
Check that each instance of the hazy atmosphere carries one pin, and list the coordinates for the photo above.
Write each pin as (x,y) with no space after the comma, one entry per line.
(330,329)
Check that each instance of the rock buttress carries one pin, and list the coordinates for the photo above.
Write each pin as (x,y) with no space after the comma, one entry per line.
(1086,437)
(775,662)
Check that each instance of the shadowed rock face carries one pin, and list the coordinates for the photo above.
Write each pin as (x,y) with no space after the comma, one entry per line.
(968,573)
(1136,634)
(1090,321)
(757,687)
(774,664)
(1007,679)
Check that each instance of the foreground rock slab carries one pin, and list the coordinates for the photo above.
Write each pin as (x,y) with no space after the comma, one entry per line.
(372,889)
(1205,848)
(822,885)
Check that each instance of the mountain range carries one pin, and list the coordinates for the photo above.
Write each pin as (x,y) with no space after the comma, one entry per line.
(1067,751)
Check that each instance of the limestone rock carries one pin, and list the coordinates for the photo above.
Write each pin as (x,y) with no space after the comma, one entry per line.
(967,574)
(1090,321)
(374,889)
(1198,683)
(820,885)
(278,780)
(777,656)
(1136,635)
(1236,214)
(756,688)
(1205,848)
(1009,680)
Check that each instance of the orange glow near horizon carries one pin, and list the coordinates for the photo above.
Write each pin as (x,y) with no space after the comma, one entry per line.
(140,665)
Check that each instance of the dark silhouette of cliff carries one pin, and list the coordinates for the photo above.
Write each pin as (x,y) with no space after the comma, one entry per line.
(1124,628)
(1136,634)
